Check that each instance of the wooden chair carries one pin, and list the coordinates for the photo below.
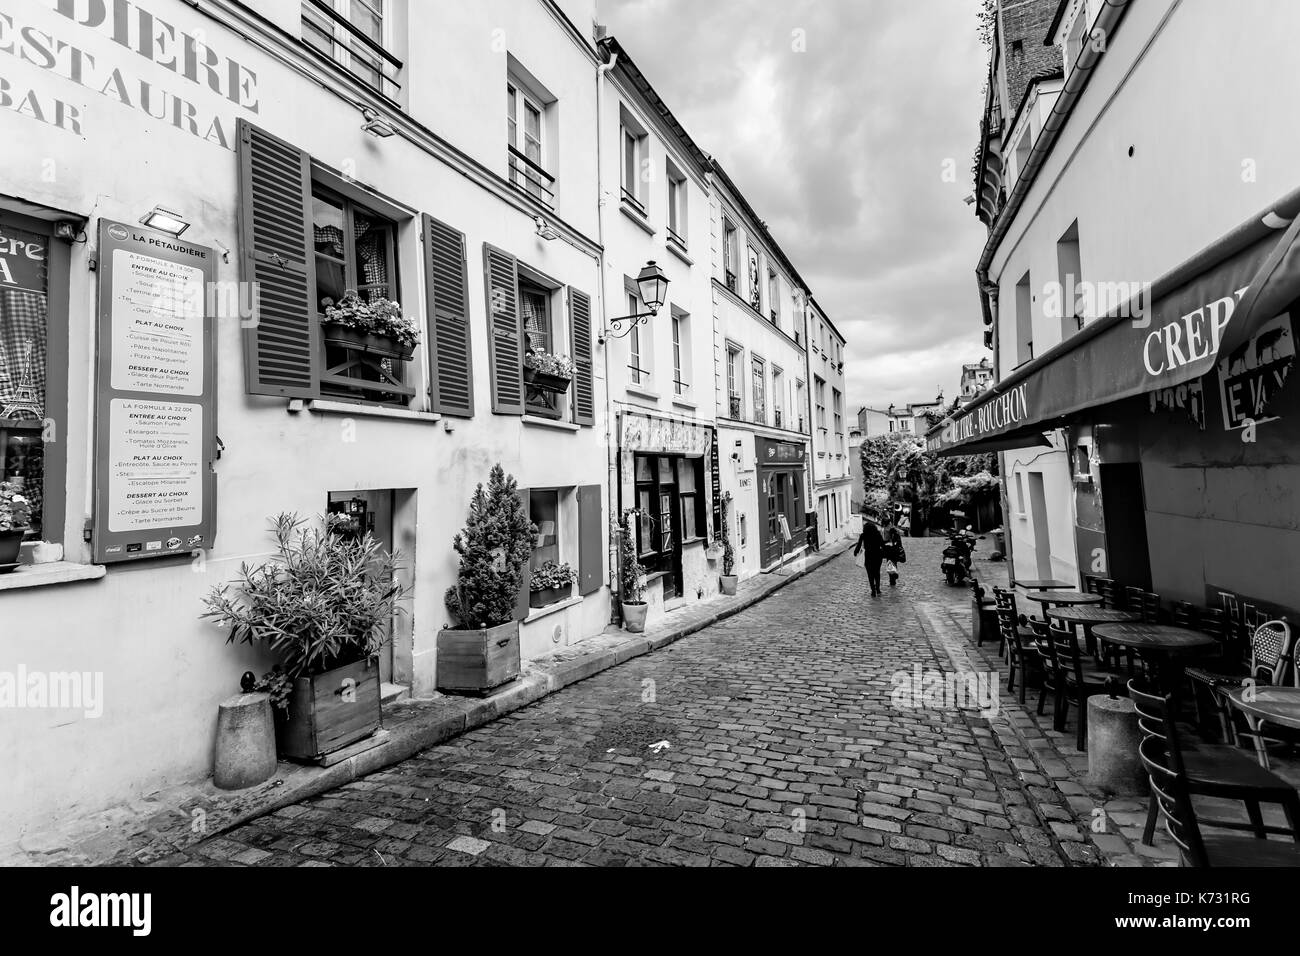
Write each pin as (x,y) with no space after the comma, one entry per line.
(1145,603)
(1177,773)
(1270,656)
(1091,584)
(1183,614)
(1079,681)
(1022,654)
(1111,595)
(1053,677)
(984,617)
(1004,599)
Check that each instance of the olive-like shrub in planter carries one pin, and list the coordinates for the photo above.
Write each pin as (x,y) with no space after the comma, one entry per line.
(631,575)
(323,605)
(482,651)
(551,584)
(15,519)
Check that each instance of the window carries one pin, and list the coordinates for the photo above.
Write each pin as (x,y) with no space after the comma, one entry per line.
(538,326)
(640,352)
(690,488)
(797,312)
(1070,275)
(677,195)
(1024,321)
(730,256)
(760,380)
(800,404)
(734,399)
(1020,494)
(773,297)
(755,287)
(744,530)
(819,395)
(526,142)
(354,34)
(681,352)
(544,512)
(355,250)
(25,266)
(837,406)
(636,167)
(1076,38)
(778,398)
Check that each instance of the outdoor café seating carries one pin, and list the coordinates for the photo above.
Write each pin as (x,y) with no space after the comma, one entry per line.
(1066,677)
(1268,657)
(1022,654)
(1177,773)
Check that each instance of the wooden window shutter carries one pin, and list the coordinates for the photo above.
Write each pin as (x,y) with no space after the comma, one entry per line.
(591,541)
(447,290)
(584,386)
(523,606)
(505,343)
(281,351)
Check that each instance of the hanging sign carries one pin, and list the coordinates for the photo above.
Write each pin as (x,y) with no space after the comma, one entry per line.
(155,408)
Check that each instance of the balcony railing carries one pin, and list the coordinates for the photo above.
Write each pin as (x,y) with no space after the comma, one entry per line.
(370,61)
(527,176)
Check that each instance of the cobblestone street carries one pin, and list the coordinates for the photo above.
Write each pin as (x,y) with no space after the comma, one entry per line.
(767,739)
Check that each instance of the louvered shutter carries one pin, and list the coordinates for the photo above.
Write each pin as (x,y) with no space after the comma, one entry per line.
(505,344)
(591,541)
(280,346)
(584,385)
(523,602)
(447,288)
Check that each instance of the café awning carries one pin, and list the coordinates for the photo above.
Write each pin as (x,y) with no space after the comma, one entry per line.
(1156,337)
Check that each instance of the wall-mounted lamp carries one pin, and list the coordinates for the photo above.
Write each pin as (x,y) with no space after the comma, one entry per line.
(374,125)
(164,220)
(545,230)
(652,285)
(70,230)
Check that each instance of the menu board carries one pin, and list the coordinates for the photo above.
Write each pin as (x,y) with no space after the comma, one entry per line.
(155,428)
(715,474)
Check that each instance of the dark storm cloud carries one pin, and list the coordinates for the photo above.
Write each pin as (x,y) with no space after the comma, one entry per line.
(843,148)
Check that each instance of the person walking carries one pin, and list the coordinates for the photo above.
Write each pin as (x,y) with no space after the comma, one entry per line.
(871,546)
(893,552)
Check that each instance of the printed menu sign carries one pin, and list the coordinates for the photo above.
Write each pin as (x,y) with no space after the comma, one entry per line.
(155,429)
(155,452)
(157,325)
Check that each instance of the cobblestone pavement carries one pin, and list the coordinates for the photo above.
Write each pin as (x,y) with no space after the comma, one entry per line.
(773,738)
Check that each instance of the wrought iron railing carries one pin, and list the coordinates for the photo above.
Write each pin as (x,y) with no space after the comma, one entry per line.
(734,407)
(376,55)
(527,176)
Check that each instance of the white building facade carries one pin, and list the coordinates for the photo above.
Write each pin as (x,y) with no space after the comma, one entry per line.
(832,476)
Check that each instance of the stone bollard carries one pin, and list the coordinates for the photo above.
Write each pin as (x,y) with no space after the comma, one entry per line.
(1113,737)
(245,742)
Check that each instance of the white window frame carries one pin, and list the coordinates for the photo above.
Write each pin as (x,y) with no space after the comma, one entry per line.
(341,46)
(517,132)
(678,204)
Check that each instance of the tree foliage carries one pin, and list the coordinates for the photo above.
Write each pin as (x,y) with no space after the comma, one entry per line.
(494,549)
(897,469)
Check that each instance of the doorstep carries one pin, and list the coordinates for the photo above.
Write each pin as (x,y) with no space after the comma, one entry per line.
(157,826)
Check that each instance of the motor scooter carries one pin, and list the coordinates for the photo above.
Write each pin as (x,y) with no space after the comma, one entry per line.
(956,561)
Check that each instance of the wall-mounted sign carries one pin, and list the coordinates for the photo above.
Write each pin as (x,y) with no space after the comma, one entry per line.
(155,398)
(22,260)
(1255,372)
(776,453)
(715,475)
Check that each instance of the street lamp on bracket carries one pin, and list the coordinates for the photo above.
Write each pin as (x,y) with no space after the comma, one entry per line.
(652,286)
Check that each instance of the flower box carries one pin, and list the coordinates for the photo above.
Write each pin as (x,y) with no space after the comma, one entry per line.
(329,711)
(380,346)
(548,596)
(546,382)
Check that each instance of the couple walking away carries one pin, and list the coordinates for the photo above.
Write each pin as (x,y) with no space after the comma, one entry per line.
(876,546)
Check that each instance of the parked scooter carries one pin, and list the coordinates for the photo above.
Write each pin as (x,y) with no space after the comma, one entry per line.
(956,562)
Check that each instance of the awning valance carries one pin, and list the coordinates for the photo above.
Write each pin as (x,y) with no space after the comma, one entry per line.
(1159,337)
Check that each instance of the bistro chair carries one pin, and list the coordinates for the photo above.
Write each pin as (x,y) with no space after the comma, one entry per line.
(1076,682)
(1267,663)
(1183,614)
(1004,599)
(1022,654)
(1091,584)
(984,614)
(1177,773)
(1052,674)
(1111,595)
(1145,603)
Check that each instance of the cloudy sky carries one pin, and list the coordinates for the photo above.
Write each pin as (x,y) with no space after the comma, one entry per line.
(843,148)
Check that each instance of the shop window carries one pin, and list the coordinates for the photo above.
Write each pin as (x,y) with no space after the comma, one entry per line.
(690,487)
(24,348)
(358,35)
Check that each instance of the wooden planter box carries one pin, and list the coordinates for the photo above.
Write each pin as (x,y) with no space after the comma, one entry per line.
(378,346)
(545,382)
(329,711)
(11,545)
(473,662)
(549,596)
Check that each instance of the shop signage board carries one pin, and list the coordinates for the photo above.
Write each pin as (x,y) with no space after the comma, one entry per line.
(155,397)
(23,257)
(715,474)
(1255,372)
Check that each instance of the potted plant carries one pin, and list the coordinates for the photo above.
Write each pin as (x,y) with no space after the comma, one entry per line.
(547,372)
(15,519)
(728,579)
(377,327)
(551,584)
(481,652)
(323,605)
(631,576)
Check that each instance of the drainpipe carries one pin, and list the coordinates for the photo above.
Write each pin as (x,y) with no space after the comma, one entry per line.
(611,465)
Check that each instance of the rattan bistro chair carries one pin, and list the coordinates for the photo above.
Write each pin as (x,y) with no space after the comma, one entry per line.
(1176,774)
(1268,661)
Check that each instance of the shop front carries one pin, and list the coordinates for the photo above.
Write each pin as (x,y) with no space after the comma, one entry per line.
(1181,436)
(666,474)
(782,513)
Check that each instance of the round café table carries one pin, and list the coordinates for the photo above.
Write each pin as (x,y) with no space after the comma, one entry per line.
(1088,616)
(1050,599)
(1161,645)
(1266,705)
(1047,584)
